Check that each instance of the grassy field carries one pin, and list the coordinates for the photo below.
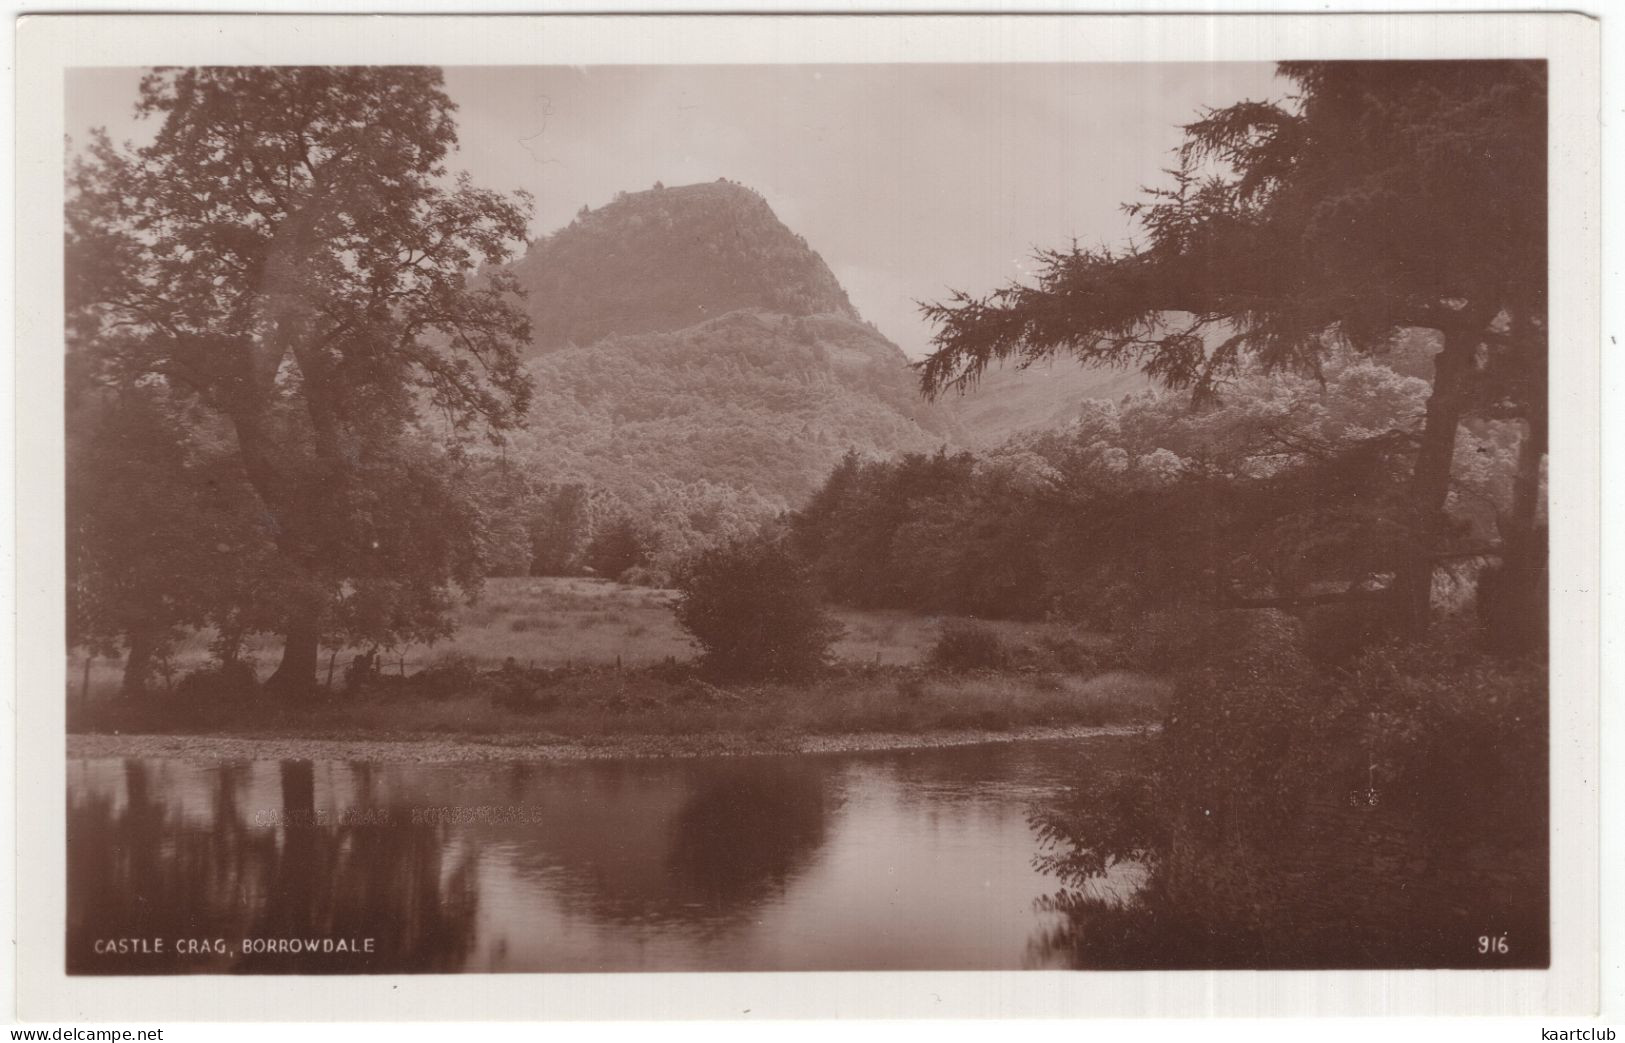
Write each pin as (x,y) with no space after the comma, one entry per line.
(568,622)
(592,657)
(544,622)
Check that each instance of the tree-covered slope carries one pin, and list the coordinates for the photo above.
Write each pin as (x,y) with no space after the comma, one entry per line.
(685,335)
(699,370)
(754,400)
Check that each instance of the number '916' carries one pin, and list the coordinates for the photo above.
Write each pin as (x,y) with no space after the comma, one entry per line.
(1493,944)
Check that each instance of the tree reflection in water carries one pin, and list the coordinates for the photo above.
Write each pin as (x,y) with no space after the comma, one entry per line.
(690,844)
(142,872)
(744,832)
(695,847)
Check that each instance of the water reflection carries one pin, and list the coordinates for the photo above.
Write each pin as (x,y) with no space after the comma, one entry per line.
(168,896)
(744,832)
(879,861)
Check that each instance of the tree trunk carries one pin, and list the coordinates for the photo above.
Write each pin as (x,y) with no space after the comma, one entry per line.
(1526,498)
(1430,480)
(296,674)
(1532,359)
(138,667)
(1513,599)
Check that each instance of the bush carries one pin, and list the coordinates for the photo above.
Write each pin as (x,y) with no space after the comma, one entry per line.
(646,576)
(1372,808)
(1457,733)
(1190,638)
(962,646)
(1102,606)
(1073,656)
(671,671)
(617,547)
(362,670)
(218,679)
(1335,634)
(751,607)
(519,690)
(1513,600)
(450,675)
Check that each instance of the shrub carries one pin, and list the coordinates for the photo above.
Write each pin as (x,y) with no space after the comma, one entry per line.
(1455,732)
(218,679)
(1192,638)
(1071,655)
(671,671)
(911,687)
(617,547)
(1371,794)
(521,691)
(1513,601)
(646,576)
(362,670)
(1335,634)
(962,646)
(1103,606)
(751,607)
(450,675)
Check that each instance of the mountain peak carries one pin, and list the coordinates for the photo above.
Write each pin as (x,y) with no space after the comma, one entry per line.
(666,258)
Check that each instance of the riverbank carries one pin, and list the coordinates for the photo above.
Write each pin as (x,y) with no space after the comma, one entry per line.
(423,749)
(563,623)
(667,707)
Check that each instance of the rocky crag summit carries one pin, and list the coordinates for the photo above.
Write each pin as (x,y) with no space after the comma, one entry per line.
(684,336)
(670,258)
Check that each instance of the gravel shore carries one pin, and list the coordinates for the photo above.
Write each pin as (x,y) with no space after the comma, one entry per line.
(441,748)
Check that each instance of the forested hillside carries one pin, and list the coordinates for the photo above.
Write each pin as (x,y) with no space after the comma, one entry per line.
(753,400)
(698,370)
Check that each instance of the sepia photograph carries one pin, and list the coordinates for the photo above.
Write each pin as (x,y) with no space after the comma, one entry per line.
(765,515)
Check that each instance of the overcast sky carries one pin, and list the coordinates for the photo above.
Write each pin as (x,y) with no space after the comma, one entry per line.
(908,179)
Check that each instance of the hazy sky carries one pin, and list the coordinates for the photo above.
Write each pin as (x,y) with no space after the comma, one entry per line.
(908,179)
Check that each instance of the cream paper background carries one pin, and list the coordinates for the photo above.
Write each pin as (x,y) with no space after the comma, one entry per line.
(47,45)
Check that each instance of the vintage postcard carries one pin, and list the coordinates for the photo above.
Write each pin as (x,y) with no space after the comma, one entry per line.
(588,516)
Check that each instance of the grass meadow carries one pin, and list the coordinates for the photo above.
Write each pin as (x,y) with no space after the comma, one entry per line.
(596,658)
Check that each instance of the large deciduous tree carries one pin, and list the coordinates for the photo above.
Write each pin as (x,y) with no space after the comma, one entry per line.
(1383,197)
(289,255)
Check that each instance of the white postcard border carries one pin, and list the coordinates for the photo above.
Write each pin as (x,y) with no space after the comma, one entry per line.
(47,45)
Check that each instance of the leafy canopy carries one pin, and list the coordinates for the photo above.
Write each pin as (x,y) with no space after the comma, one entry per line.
(1383,195)
(290,232)
(289,258)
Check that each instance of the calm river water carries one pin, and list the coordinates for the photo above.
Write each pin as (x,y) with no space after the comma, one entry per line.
(918,859)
